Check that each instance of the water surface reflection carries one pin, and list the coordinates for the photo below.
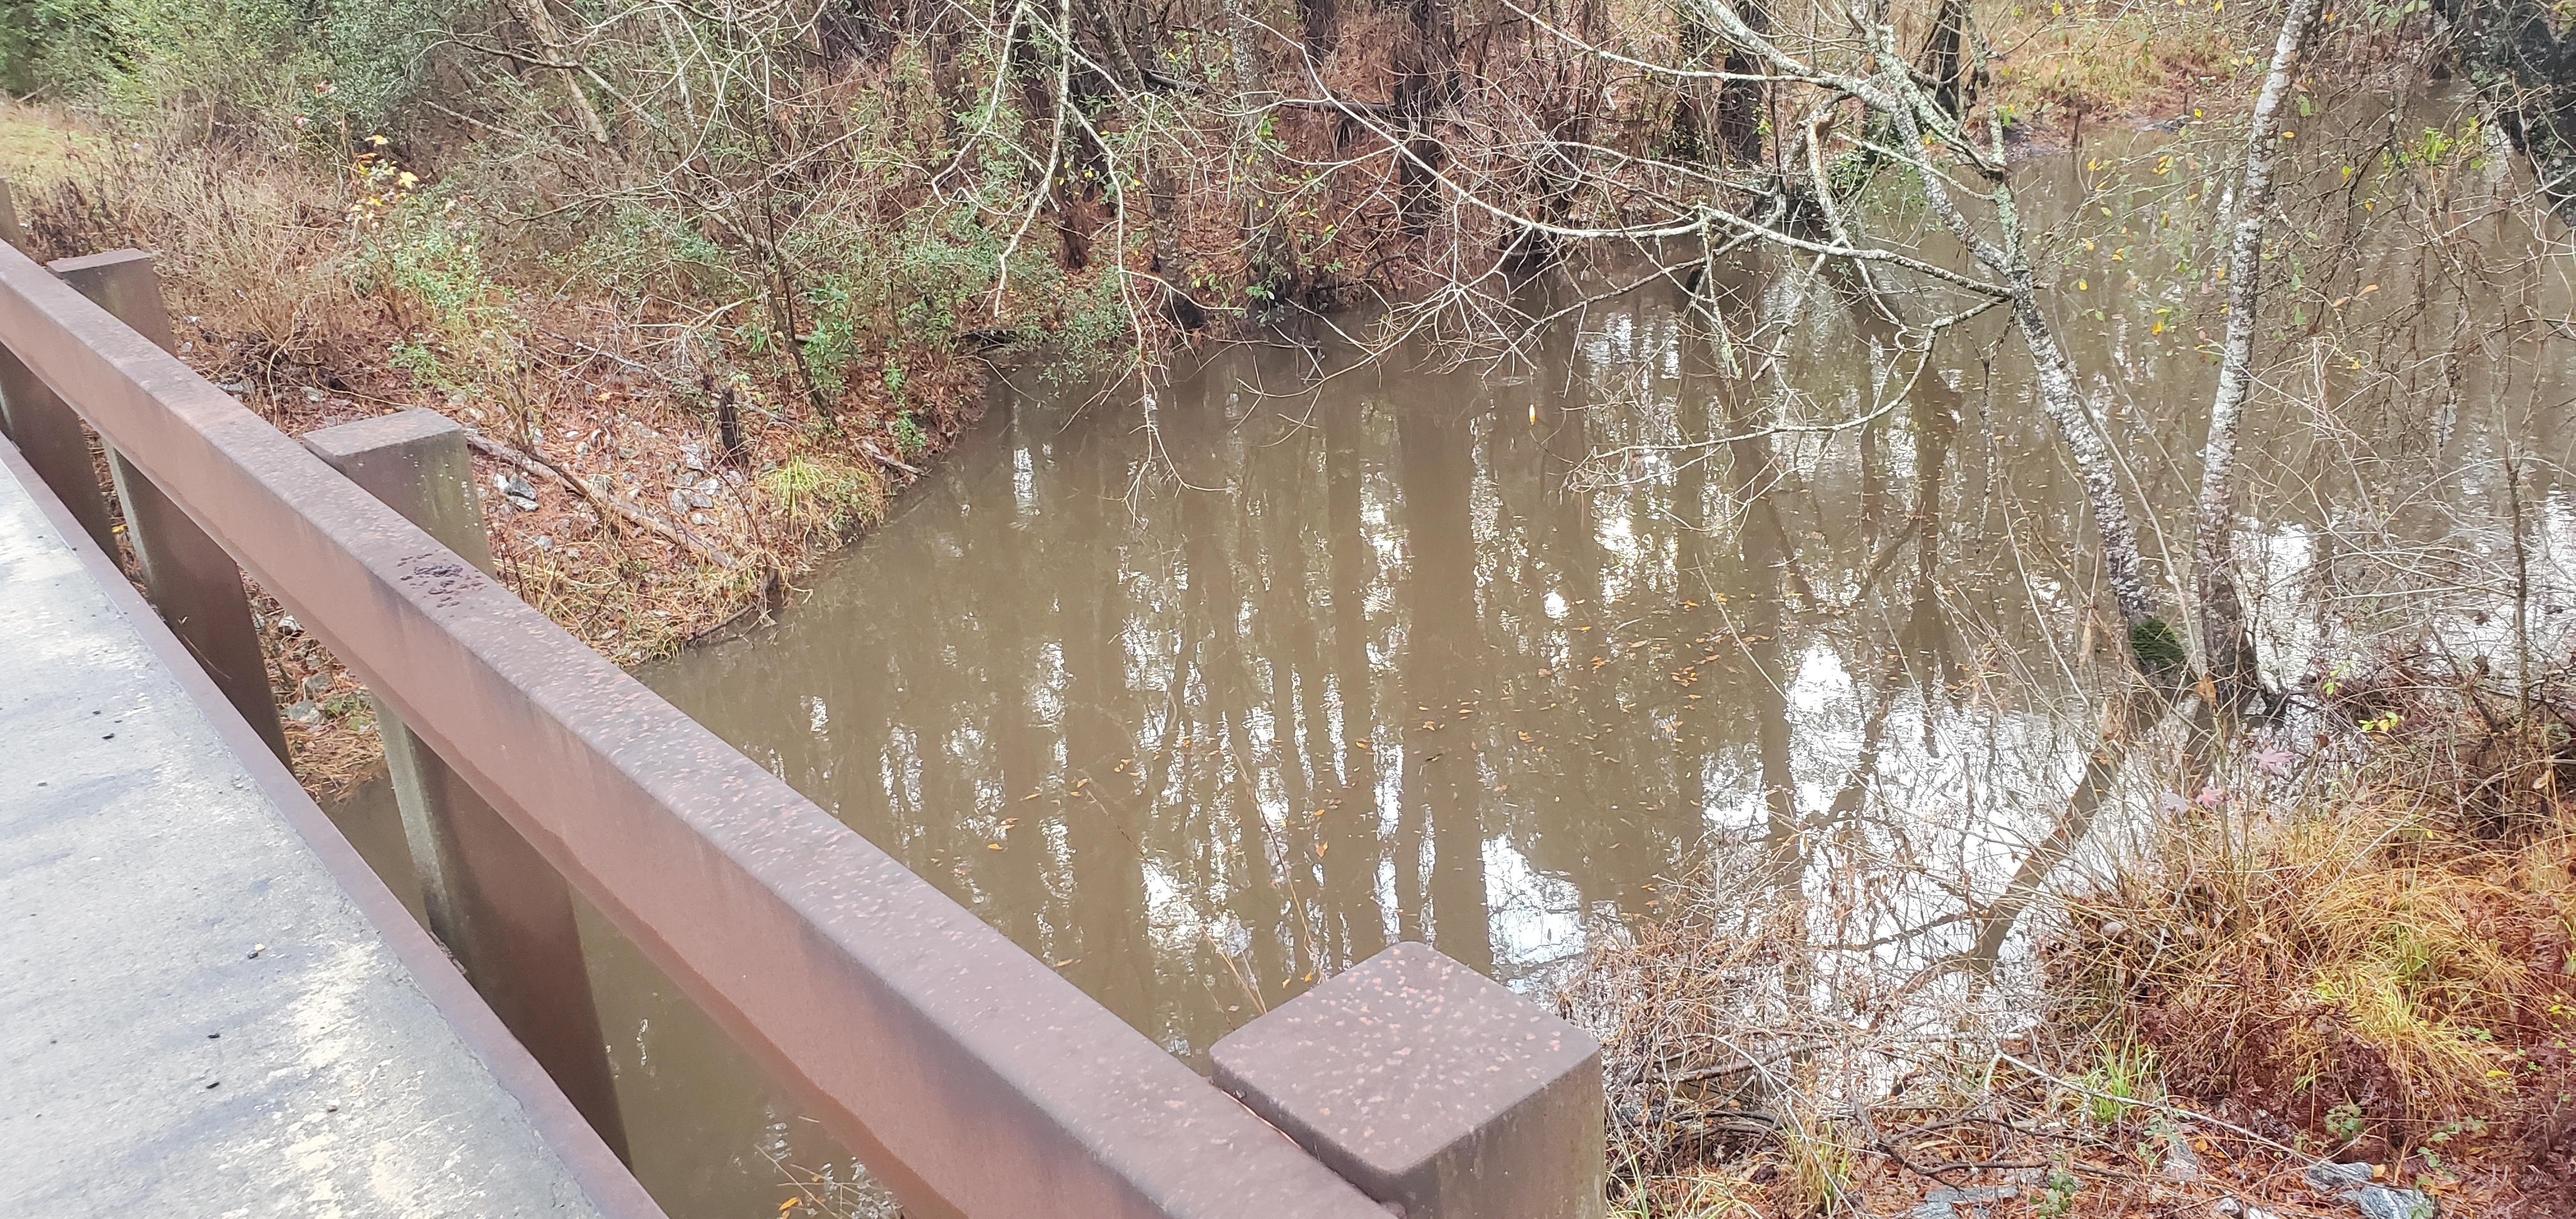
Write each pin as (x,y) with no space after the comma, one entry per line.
(1205,711)
(1205,702)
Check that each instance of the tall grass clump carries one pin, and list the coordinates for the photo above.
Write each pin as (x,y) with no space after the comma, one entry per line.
(2368,953)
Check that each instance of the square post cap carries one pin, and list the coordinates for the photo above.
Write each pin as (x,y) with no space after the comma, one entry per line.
(1432,1088)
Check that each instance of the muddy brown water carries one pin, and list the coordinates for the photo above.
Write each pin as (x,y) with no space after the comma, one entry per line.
(1202,701)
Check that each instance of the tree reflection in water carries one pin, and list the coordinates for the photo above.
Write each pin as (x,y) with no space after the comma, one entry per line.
(1390,657)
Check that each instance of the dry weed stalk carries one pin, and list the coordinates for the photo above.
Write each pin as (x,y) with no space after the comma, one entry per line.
(1753,1068)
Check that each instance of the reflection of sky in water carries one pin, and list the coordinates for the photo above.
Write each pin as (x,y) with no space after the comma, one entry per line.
(1537,918)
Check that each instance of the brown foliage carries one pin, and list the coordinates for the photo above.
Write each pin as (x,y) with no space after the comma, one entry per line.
(2377,958)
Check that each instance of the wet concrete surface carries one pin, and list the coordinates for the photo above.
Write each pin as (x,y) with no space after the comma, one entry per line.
(201,1010)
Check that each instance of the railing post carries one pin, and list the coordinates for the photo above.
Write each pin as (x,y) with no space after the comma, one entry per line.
(1436,1091)
(496,903)
(47,433)
(191,581)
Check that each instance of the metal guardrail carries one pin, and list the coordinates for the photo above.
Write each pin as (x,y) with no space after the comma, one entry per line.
(968,1077)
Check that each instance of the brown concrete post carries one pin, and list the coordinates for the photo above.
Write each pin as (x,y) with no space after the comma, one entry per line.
(191,581)
(1436,1091)
(47,433)
(491,898)
(9,229)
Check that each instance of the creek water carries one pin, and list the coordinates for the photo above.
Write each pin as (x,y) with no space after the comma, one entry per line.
(1204,699)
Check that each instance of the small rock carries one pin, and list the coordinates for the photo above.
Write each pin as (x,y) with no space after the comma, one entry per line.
(695,456)
(2181,1163)
(2352,1185)
(542,543)
(516,490)
(697,500)
(313,393)
(288,624)
(700,518)
(2336,1178)
(303,711)
(679,501)
(1945,1203)
(313,686)
(234,387)
(2232,1208)
(2381,1202)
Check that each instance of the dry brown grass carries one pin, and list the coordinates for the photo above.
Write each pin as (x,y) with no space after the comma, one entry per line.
(257,241)
(2058,64)
(2374,959)
(271,278)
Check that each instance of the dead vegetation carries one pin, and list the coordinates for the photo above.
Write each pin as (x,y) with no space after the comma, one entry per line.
(638,492)
(710,310)
(2351,947)
(2369,957)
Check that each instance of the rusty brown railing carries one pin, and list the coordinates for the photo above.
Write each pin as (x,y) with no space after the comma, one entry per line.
(966,1075)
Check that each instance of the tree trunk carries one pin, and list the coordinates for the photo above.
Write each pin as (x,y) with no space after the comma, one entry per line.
(1321,23)
(1739,102)
(1945,58)
(2224,638)
(541,24)
(1268,271)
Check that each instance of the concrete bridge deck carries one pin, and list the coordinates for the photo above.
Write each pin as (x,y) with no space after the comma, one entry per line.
(208,1005)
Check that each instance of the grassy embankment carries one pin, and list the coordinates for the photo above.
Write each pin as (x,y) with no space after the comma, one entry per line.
(319,297)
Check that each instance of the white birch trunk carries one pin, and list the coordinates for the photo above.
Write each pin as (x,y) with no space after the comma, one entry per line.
(2226,644)
(2061,395)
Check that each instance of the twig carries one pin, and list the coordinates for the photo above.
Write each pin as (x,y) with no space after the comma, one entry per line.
(871,450)
(2176,1110)
(679,536)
